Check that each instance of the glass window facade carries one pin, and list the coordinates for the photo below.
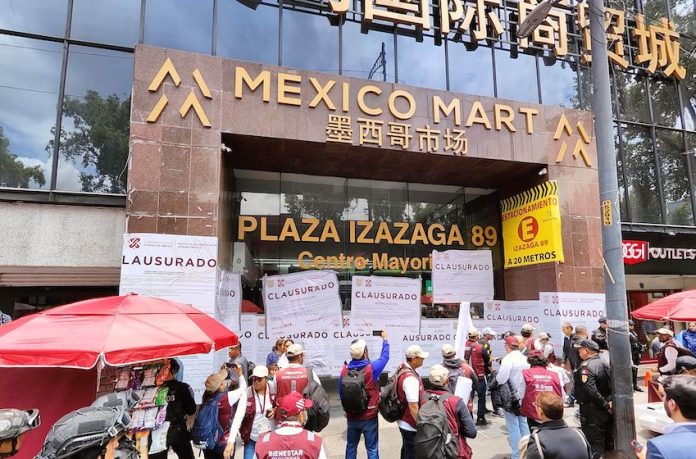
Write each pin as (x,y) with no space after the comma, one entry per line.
(82,50)
(365,217)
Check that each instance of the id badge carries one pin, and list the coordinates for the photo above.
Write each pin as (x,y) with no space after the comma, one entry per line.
(264,425)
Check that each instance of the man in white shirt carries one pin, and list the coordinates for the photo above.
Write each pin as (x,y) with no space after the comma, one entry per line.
(411,391)
(510,372)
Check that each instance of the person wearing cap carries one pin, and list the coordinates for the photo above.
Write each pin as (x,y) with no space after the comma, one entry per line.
(544,344)
(536,379)
(260,410)
(411,393)
(180,405)
(510,376)
(230,411)
(636,351)
(669,353)
(290,439)
(365,423)
(294,377)
(458,415)
(462,380)
(237,359)
(599,335)
(478,355)
(593,392)
(283,359)
(527,333)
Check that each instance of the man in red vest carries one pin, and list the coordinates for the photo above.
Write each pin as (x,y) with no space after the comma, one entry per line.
(411,392)
(478,356)
(290,440)
(363,422)
(294,377)
(535,379)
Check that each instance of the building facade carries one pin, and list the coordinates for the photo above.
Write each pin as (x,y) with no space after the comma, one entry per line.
(87,152)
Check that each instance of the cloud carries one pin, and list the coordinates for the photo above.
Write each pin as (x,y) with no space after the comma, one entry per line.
(68,178)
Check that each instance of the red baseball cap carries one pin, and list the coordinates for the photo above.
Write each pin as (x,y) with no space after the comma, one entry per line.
(512,341)
(292,404)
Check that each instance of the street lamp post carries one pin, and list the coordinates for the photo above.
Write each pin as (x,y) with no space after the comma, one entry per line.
(614,276)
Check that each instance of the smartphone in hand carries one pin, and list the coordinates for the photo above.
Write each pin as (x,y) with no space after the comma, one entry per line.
(638,446)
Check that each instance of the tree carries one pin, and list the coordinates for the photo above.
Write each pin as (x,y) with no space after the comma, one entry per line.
(13,172)
(99,140)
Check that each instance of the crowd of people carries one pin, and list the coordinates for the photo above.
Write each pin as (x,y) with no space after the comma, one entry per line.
(270,408)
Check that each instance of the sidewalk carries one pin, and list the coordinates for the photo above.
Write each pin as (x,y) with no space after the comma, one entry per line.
(491,442)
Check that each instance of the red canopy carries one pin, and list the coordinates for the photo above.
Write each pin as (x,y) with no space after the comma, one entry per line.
(680,307)
(119,329)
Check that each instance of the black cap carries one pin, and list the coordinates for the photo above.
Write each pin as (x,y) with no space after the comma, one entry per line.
(588,344)
(602,320)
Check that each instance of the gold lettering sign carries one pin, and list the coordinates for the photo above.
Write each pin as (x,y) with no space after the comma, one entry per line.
(191,101)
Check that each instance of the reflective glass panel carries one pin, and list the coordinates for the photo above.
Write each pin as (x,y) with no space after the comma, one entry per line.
(243,33)
(585,88)
(470,72)
(655,9)
(362,51)
(619,170)
(643,194)
(180,24)
(516,78)
(421,64)
(106,21)
(559,85)
(96,116)
(665,105)
(34,16)
(632,97)
(675,179)
(309,42)
(29,81)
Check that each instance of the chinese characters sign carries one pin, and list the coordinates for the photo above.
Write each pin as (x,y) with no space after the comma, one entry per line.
(657,45)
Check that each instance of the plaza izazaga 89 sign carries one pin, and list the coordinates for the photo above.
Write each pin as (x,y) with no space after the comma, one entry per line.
(532,226)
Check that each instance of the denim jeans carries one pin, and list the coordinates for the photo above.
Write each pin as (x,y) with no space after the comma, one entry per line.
(481,394)
(250,449)
(517,428)
(368,428)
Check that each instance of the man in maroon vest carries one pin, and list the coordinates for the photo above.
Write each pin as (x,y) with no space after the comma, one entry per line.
(411,392)
(290,439)
(537,378)
(667,357)
(458,416)
(294,377)
(479,357)
(364,422)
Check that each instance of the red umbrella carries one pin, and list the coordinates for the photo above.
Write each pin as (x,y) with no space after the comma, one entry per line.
(680,307)
(120,330)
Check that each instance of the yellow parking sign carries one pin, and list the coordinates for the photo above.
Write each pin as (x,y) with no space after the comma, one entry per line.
(531,223)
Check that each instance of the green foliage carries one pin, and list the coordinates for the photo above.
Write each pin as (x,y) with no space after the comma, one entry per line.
(99,141)
(13,173)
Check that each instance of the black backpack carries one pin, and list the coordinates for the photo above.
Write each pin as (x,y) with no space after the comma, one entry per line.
(354,396)
(434,438)
(391,407)
(318,415)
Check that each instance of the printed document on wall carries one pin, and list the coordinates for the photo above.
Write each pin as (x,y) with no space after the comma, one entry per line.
(462,275)
(386,303)
(304,302)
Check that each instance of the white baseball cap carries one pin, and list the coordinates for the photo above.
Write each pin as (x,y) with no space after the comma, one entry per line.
(543,335)
(294,350)
(260,372)
(357,349)
(528,327)
(438,375)
(415,350)
(473,332)
(448,350)
(488,331)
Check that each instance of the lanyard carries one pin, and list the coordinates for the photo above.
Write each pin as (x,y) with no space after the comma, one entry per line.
(262,405)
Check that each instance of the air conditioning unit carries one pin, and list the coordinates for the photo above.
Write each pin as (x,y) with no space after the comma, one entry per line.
(243,263)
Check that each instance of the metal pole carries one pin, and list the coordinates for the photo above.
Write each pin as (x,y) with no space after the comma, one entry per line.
(614,276)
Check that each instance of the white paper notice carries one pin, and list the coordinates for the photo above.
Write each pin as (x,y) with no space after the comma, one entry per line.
(386,303)
(462,275)
(228,307)
(306,302)
(172,267)
(176,268)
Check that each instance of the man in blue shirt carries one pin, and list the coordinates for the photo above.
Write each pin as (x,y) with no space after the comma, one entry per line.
(680,404)
(362,421)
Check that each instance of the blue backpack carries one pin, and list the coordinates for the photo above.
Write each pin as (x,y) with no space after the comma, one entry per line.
(207,431)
